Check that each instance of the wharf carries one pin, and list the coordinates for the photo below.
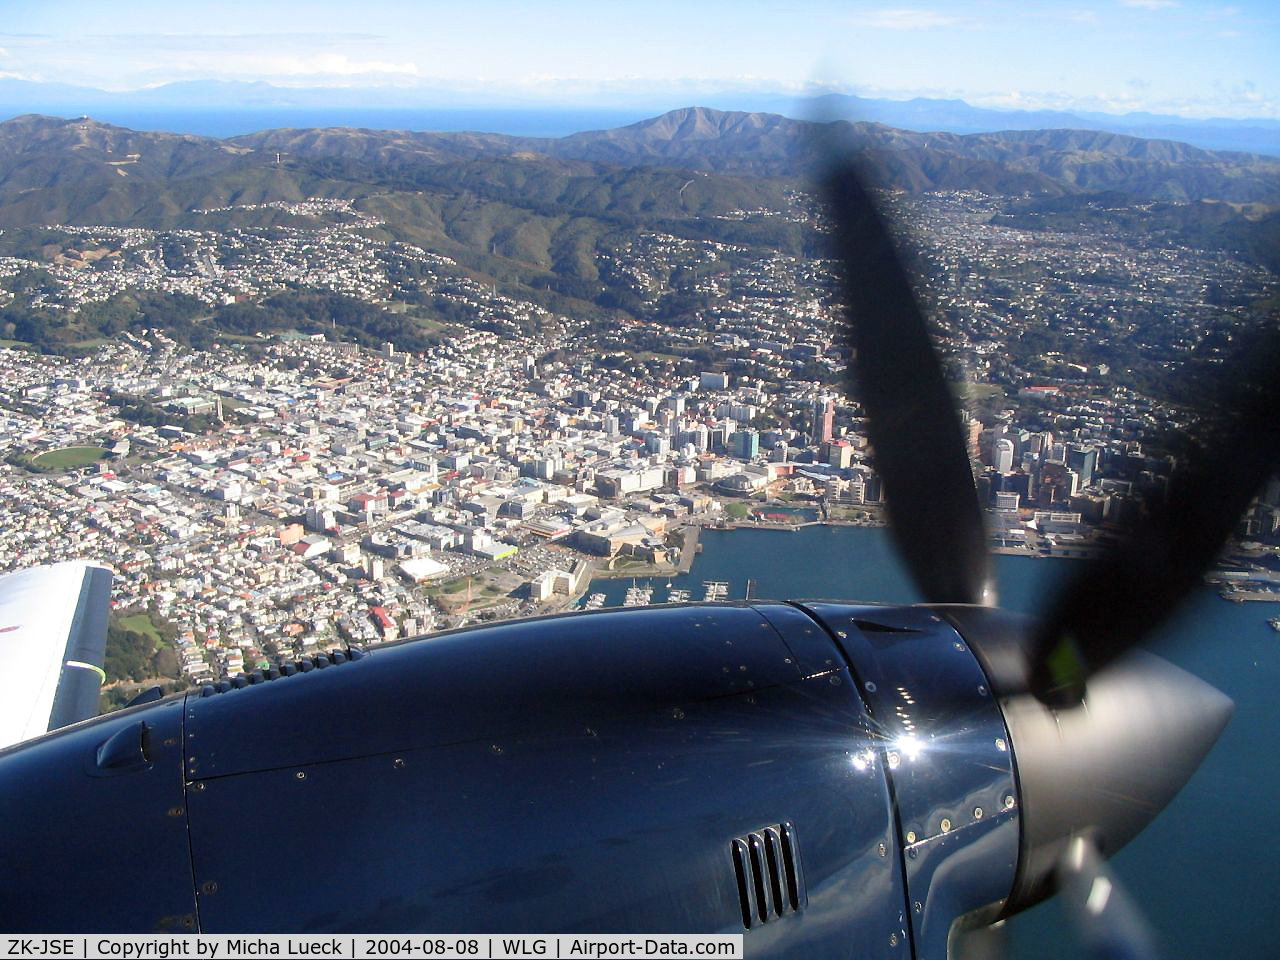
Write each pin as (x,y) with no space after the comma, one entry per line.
(716,590)
(689,549)
(1239,596)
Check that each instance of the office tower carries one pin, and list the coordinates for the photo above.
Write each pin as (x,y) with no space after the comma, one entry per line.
(823,419)
(1003,455)
(1084,461)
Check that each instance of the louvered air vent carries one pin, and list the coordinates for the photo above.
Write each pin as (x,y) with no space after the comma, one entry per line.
(770,884)
(306,665)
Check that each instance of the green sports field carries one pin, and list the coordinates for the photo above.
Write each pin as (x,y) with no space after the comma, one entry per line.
(69,457)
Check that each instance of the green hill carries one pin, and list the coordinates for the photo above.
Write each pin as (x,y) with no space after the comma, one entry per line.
(534,216)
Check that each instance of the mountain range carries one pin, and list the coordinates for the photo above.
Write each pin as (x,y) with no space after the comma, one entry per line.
(924,114)
(544,218)
(86,171)
(535,211)
(219,107)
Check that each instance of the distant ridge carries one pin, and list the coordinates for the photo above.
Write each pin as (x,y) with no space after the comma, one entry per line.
(84,171)
(218,107)
(762,144)
(921,114)
(543,217)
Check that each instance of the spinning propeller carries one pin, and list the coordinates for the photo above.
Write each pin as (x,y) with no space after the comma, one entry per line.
(1103,735)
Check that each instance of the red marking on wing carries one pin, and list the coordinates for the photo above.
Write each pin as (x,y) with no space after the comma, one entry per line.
(7,629)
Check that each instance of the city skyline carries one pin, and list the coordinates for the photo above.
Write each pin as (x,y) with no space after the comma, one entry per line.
(1187,58)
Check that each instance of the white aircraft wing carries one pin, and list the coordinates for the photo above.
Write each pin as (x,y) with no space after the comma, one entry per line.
(53,637)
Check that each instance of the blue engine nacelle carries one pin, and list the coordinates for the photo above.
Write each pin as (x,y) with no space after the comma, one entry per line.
(830,780)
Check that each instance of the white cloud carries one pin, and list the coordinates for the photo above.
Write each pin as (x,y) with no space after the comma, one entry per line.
(284,68)
(137,61)
(904,19)
(1150,4)
(1242,100)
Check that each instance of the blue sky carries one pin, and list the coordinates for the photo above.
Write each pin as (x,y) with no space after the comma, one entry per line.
(1171,56)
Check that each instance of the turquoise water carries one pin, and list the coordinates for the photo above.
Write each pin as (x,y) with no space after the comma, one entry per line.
(1207,871)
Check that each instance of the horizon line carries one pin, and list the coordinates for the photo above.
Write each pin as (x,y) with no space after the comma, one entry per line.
(515,98)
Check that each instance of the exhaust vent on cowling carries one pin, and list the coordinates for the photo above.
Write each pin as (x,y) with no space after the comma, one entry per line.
(770,883)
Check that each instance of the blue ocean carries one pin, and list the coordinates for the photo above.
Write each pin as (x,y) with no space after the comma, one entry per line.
(516,122)
(1207,871)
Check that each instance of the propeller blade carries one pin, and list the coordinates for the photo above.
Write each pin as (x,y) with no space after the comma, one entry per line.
(1110,924)
(920,452)
(981,943)
(1119,598)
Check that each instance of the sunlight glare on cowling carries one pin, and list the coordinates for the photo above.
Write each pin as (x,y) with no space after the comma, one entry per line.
(909,746)
(863,760)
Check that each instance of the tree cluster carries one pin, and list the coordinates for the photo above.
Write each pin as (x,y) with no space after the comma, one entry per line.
(130,655)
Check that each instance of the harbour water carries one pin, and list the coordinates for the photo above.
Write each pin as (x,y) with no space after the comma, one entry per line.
(1207,871)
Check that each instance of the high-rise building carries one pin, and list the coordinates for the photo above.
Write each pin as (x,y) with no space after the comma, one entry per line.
(719,436)
(1007,500)
(1018,483)
(702,438)
(656,443)
(1084,461)
(746,444)
(973,430)
(839,454)
(823,419)
(1058,483)
(1003,455)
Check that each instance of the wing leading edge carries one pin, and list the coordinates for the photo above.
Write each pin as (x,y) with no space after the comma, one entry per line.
(53,637)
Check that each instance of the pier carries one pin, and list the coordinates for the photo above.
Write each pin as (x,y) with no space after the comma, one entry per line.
(715,590)
(638,596)
(689,549)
